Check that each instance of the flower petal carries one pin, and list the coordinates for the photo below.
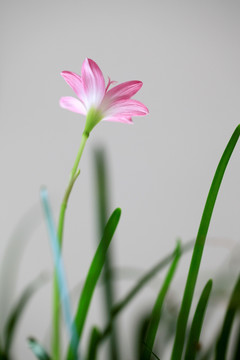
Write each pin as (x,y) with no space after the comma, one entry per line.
(110,82)
(126,108)
(93,82)
(125,90)
(117,118)
(75,82)
(72,104)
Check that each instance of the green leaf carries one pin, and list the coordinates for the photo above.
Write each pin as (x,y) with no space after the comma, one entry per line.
(15,315)
(60,276)
(38,350)
(140,284)
(157,309)
(199,246)
(102,211)
(233,306)
(236,353)
(92,277)
(12,257)
(93,343)
(194,335)
(151,352)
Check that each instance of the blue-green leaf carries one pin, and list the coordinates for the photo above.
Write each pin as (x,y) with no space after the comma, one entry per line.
(62,284)
(38,350)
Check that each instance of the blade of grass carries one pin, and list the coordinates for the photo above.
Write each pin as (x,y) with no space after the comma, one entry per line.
(16,313)
(236,352)
(60,273)
(233,307)
(147,277)
(92,347)
(199,246)
(56,338)
(92,276)
(102,206)
(120,306)
(12,257)
(195,330)
(157,309)
(38,350)
(151,352)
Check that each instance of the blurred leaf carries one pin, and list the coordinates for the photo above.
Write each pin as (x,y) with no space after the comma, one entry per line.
(233,307)
(15,315)
(12,257)
(199,246)
(156,312)
(147,277)
(193,339)
(102,207)
(140,284)
(140,334)
(236,352)
(151,352)
(93,343)
(60,272)
(38,350)
(92,277)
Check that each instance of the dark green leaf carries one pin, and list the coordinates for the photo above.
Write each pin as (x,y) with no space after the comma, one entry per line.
(194,335)
(141,283)
(92,277)
(199,246)
(93,343)
(156,312)
(38,350)
(102,207)
(236,353)
(17,311)
(11,259)
(233,306)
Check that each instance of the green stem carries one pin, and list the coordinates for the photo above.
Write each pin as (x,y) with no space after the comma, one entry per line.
(85,136)
(56,350)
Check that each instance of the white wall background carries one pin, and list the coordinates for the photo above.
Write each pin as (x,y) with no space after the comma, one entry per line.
(187,55)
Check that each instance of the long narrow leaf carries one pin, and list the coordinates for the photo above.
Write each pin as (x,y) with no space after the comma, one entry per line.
(63,290)
(156,313)
(102,211)
(38,350)
(199,246)
(120,306)
(233,306)
(236,352)
(94,341)
(93,275)
(13,254)
(16,314)
(193,340)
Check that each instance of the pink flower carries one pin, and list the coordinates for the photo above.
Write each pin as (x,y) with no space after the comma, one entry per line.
(96,101)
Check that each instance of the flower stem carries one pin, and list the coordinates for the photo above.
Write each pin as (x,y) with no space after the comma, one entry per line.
(56,349)
(85,136)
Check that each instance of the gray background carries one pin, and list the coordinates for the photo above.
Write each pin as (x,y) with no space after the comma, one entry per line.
(187,55)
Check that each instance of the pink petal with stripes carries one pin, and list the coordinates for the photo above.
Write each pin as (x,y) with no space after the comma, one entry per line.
(72,104)
(93,82)
(75,82)
(124,91)
(127,108)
